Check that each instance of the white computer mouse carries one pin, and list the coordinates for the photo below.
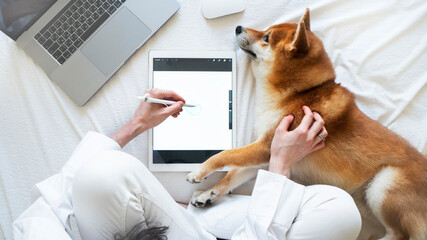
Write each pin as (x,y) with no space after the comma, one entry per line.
(218,8)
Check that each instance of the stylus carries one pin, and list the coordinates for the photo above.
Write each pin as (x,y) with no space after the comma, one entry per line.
(147,98)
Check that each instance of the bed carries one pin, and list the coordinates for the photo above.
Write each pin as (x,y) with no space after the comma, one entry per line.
(378,48)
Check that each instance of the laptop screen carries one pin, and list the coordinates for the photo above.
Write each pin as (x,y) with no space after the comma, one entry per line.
(16,16)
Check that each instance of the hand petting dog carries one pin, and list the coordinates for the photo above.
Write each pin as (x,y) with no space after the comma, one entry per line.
(289,147)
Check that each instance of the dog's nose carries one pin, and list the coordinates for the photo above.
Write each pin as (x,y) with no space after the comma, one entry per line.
(239,30)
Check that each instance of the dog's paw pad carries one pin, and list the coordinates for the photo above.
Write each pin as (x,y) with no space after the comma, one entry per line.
(203,199)
(201,204)
(192,178)
(196,176)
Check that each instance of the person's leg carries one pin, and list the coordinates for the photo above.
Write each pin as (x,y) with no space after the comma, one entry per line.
(115,191)
(327,213)
(224,216)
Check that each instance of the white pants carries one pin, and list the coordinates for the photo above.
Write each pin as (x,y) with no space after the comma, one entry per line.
(115,191)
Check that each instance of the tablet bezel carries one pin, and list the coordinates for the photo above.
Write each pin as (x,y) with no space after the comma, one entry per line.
(184,167)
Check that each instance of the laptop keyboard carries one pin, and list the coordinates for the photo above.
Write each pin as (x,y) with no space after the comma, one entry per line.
(73,25)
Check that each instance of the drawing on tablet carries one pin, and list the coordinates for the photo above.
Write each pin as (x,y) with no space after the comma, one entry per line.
(200,130)
(178,144)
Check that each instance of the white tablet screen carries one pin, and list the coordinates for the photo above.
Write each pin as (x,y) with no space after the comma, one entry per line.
(204,130)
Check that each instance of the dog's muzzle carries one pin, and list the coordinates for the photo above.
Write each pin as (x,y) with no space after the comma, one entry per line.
(243,42)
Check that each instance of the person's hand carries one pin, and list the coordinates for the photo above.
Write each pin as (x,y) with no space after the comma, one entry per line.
(289,147)
(152,114)
(149,115)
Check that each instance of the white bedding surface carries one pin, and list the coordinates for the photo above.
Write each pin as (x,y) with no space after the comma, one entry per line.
(379,49)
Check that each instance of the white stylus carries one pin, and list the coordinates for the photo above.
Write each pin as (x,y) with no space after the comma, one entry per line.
(147,98)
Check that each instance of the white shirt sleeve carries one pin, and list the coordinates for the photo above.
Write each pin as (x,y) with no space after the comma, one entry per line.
(272,209)
(52,203)
(39,222)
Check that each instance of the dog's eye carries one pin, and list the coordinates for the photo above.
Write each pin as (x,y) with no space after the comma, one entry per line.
(266,38)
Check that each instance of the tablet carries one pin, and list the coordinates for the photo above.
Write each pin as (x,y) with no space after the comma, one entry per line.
(206,79)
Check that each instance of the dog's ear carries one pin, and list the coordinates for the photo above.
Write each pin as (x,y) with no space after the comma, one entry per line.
(306,19)
(300,42)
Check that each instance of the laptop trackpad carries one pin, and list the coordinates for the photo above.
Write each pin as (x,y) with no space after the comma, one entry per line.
(116,41)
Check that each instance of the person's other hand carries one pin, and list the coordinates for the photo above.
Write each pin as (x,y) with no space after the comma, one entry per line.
(289,147)
(149,115)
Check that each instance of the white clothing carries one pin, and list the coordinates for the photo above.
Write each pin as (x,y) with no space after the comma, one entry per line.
(123,193)
(109,191)
(52,197)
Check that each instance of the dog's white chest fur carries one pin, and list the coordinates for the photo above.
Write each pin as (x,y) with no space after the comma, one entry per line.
(267,113)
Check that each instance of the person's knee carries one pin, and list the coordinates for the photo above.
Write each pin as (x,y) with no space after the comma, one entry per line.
(107,173)
(105,194)
(346,210)
(344,213)
(340,210)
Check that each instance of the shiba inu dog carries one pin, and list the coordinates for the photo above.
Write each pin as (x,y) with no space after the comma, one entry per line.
(384,174)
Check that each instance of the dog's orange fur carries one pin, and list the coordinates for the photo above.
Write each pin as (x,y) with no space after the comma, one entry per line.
(357,147)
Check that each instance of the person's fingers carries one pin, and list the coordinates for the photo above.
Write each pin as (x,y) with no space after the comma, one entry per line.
(285,123)
(164,94)
(175,115)
(318,139)
(324,132)
(173,109)
(316,127)
(169,95)
(307,120)
(318,146)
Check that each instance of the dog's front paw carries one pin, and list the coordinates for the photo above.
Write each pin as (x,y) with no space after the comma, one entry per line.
(203,198)
(194,176)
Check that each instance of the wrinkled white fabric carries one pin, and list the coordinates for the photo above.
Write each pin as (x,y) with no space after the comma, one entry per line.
(108,192)
(378,48)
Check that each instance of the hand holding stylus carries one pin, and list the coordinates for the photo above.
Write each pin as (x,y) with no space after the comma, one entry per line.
(149,115)
(149,99)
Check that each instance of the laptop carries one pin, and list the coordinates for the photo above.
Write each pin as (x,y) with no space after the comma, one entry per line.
(80,44)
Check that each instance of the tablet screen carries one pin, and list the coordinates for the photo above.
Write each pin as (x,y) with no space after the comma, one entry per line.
(201,131)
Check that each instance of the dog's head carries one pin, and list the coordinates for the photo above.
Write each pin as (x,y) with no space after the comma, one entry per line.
(289,51)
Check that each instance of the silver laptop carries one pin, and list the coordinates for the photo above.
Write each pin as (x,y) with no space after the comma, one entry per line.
(80,44)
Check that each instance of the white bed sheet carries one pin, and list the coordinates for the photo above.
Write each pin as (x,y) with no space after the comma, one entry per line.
(379,49)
